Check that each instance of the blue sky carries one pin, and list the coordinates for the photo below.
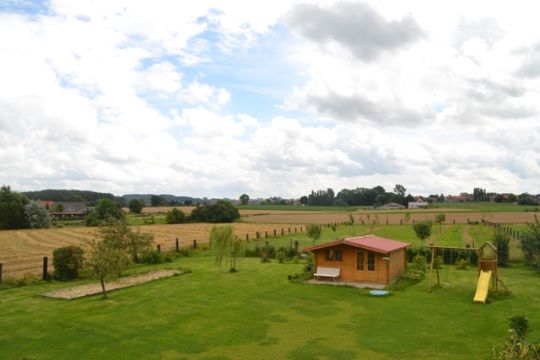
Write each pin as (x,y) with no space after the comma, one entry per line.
(269,98)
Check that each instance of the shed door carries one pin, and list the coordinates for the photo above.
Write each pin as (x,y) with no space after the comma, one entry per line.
(366,265)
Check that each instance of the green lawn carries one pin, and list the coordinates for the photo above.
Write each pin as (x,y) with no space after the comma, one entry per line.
(258,314)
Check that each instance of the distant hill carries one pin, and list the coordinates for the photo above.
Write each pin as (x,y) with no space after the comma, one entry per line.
(89,197)
(169,199)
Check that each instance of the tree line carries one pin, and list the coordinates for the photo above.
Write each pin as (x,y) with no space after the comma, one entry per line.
(376,196)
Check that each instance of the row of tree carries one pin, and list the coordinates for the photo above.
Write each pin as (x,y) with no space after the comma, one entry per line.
(375,196)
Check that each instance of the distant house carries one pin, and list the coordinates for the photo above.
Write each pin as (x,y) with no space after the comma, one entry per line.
(69,210)
(363,259)
(391,206)
(417,204)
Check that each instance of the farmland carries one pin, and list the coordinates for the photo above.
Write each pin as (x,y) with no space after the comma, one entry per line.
(392,217)
(22,250)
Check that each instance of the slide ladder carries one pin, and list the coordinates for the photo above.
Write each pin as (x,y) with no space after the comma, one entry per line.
(482,288)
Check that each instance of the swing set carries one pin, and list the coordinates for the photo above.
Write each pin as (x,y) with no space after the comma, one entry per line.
(487,268)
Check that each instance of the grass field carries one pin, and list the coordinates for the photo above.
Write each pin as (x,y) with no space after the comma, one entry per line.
(258,314)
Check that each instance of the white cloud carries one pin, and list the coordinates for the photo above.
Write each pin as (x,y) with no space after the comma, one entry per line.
(113,96)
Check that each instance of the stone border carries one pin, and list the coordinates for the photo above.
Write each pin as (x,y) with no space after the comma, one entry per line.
(95,288)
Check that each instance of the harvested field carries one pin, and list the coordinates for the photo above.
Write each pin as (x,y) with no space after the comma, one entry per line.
(243,212)
(392,218)
(22,251)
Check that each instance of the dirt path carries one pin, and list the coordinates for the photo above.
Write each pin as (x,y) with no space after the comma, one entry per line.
(93,289)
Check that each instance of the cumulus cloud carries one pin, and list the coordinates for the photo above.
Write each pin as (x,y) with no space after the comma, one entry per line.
(356,107)
(355,26)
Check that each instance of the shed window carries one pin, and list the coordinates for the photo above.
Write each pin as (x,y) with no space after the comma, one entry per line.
(360,260)
(371,261)
(329,254)
(332,255)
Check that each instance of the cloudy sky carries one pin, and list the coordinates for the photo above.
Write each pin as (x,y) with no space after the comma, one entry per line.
(270,98)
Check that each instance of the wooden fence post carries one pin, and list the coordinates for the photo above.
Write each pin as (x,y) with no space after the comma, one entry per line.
(45,268)
(289,230)
(274,232)
(1,266)
(265,234)
(282,231)
(257,234)
(177,245)
(158,247)
(247,237)
(194,243)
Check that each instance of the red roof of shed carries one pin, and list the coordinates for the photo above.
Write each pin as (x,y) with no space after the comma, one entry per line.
(369,242)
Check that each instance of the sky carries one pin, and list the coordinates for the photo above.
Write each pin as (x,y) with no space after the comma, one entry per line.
(269,98)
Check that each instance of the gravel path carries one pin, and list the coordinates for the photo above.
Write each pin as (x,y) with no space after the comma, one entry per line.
(93,289)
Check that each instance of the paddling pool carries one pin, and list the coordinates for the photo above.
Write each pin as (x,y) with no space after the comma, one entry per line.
(379,292)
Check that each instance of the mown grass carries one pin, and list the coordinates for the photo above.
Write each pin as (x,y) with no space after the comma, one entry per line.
(258,314)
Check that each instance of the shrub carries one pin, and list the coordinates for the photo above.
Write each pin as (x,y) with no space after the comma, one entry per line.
(462,264)
(175,216)
(136,205)
(67,262)
(501,241)
(220,212)
(152,257)
(313,231)
(419,263)
(280,256)
(25,279)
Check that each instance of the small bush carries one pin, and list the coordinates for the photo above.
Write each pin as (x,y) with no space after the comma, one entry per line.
(67,262)
(152,257)
(462,264)
(25,279)
(295,259)
(280,256)
(419,263)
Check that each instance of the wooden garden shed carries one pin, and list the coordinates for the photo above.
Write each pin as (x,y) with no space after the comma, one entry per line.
(369,258)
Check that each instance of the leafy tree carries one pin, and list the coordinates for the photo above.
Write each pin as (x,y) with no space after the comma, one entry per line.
(118,235)
(439,219)
(136,205)
(106,261)
(526,199)
(516,346)
(37,216)
(225,245)
(175,216)
(314,231)
(244,199)
(321,197)
(222,211)
(530,243)
(106,210)
(407,217)
(67,262)
(12,214)
(304,200)
(58,207)
(501,241)
(156,200)
(422,230)
(400,190)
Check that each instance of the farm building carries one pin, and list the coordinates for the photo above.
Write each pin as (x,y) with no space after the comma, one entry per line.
(417,204)
(369,259)
(391,206)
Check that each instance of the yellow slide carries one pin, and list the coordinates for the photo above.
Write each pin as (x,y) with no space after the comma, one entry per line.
(483,287)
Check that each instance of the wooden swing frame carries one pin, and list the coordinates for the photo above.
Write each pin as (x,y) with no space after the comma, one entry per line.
(434,249)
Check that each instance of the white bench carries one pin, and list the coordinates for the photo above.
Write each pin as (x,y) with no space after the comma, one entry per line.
(327,272)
